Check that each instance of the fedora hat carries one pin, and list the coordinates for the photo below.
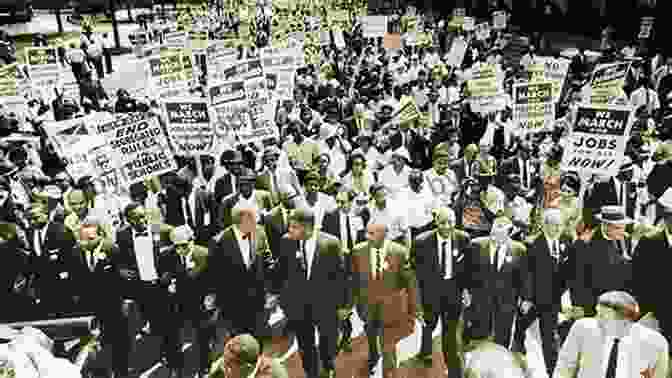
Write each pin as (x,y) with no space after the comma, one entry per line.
(613,215)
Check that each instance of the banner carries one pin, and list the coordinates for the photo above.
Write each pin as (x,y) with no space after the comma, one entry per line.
(533,107)
(139,145)
(44,69)
(499,20)
(242,70)
(175,39)
(607,82)
(219,58)
(189,127)
(547,69)
(74,143)
(170,74)
(279,66)
(486,89)
(598,140)
(457,51)
(8,80)
(374,26)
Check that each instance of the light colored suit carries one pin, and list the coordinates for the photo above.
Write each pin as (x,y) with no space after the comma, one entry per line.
(583,353)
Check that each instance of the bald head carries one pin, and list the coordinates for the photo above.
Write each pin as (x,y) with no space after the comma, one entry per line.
(376,232)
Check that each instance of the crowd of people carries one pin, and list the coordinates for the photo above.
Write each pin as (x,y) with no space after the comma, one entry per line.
(460,216)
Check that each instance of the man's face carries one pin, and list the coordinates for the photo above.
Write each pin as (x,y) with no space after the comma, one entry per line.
(358,166)
(380,198)
(296,231)
(375,233)
(245,188)
(553,229)
(441,165)
(445,225)
(38,216)
(614,231)
(78,205)
(183,247)
(236,168)
(138,218)
(4,196)
(469,155)
(343,202)
(271,162)
(312,186)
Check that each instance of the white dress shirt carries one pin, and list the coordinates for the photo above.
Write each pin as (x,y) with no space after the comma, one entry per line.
(354,225)
(394,181)
(248,203)
(443,186)
(446,257)
(418,205)
(144,256)
(502,250)
(323,205)
(309,247)
(244,245)
(38,239)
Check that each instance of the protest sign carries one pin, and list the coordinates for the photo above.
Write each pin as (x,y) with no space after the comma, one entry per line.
(260,110)
(374,26)
(189,127)
(279,66)
(646,27)
(170,74)
(219,58)
(8,81)
(484,82)
(44,69)
(499,20)
(482,31)
(607,82)
(598,140)
(175,39)
(469,24)
(457,51)
(533,107)
(229,105)
(244,69)
(73,142)
(550,70)
(139,145)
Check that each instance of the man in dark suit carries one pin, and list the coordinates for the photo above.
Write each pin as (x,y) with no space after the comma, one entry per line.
(522,165)
(193,299)
(463,167)
(238,259)
(315,294)
(50,245)
(416,144)
(498,281)
(599,263)
(343,223)
(189,205)
(439,260)
(272,179)
(547,262)
(226,184)
(146,278)
(653,252)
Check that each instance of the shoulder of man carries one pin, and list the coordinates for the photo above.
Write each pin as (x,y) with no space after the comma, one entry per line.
(518,248)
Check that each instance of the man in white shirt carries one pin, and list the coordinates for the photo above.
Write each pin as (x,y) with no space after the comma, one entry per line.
(77,59)
(612,345)
(645,96)
(108,44)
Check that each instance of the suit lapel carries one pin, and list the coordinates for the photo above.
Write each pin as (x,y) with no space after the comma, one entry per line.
(316,257)
(433,247)
(235,247)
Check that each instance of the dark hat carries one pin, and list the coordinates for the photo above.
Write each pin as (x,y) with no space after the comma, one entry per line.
(231,156)
(613,215)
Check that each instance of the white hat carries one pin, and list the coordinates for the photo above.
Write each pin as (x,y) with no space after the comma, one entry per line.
(182,234)
(665,201)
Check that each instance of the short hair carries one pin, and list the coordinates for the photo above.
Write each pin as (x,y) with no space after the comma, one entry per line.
(375,188)
(622,302)
(131,207)
(304,216)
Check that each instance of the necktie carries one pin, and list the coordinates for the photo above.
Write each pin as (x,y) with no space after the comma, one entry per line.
(274,182)
(348,232)
(188,216)
(443,257)
(378,263)
(248,240)
(613,360)
(305,258)
(89,259)
(525,177)
(497,252)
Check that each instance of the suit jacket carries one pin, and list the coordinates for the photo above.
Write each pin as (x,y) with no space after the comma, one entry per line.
(175,215)
(264,182)
(228,277)
(598,267)
(512,166)
(602,194)
(430,276)
(123,255)
(57,245)
(652,252)
(510,282)
(460,168)
(326,289)
(275,227)
(262,198)
(582,354)
(396,277)
(223,187)
(331,224)
(548,278)
(417,147)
